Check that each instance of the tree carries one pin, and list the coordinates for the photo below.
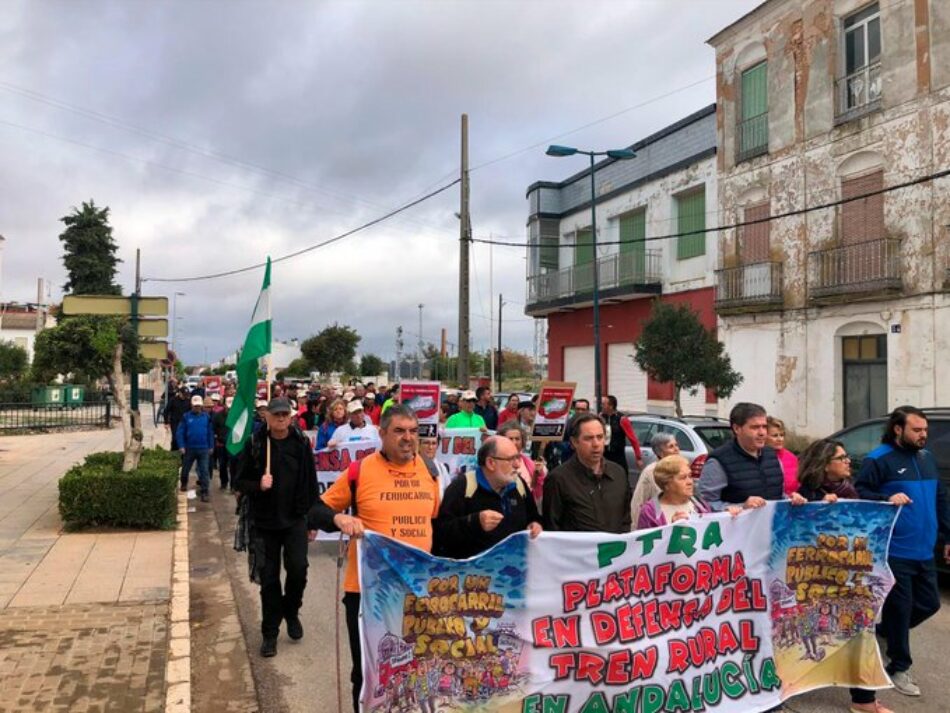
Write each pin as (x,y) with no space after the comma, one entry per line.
(93,347)
(298,367)
(89,252)
(516,363)
(333,349)
(675,347)
(372,365)
(13,360)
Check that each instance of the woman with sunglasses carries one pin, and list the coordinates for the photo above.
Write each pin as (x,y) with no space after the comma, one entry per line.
(824,474)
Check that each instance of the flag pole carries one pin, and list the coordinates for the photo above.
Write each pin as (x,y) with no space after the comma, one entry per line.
(269,376)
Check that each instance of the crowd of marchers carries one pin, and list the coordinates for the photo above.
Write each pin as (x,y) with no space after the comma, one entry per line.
(580,484)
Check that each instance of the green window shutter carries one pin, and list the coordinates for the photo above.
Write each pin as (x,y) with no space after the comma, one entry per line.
(583,248)
(633,231)
(691,218)
(755,99)
(549,252)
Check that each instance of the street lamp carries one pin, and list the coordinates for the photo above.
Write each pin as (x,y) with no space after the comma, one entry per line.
(618,154)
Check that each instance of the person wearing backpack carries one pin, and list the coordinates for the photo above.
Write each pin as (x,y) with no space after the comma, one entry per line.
(280,500)
(485,505)
(386,490)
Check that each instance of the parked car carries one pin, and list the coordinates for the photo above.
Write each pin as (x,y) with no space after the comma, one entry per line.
(861,439)
(695,435)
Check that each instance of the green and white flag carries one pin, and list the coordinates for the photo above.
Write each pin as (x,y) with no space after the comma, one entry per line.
(256,345)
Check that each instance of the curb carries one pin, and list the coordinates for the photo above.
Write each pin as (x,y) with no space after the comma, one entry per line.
(178,661)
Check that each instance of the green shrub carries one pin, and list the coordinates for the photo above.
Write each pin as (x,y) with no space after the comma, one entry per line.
(97,492)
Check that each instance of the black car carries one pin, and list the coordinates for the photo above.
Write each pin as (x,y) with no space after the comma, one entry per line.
(863,438)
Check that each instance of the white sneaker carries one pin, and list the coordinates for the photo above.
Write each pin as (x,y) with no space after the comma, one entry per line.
(904,684)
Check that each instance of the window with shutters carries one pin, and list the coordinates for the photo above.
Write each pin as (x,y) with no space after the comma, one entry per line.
(754,239)
(859,90)
(753,127)
(633,233)
(862,220)
(690,224)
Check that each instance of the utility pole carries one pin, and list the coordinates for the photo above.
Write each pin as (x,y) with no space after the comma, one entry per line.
(465,237)
(133,371)
(399,344)
(501,304)
(491,312)
(419,345)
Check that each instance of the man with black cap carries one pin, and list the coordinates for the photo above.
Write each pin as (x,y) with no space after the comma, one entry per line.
(280,497)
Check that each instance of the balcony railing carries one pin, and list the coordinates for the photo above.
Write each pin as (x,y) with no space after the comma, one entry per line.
(615,271)
(869,267)
(752,137)
(858,92)
(749,287)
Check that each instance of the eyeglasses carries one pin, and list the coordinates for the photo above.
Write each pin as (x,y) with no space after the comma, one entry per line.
(512,459)
(842,458)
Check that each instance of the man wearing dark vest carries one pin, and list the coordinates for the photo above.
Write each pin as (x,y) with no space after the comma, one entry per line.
(744,471)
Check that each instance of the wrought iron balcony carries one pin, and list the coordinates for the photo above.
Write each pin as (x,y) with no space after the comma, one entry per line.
(752,137)
(749,288)
(858,93)
(859,269)
(620,275)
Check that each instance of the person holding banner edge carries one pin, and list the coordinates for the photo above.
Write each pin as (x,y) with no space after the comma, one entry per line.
(391,486)
(484,506)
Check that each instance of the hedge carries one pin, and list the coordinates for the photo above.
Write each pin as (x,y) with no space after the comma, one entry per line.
(97,493)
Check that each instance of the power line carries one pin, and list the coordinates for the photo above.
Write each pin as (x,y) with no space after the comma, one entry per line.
(302,251)
(732,226)
(595,122)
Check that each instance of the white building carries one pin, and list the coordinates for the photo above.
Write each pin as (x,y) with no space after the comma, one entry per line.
(669,188)
(21,323)
(839,314)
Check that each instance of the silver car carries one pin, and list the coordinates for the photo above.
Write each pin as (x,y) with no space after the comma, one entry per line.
(695,435)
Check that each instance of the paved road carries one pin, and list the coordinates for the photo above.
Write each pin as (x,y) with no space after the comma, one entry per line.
(302,677)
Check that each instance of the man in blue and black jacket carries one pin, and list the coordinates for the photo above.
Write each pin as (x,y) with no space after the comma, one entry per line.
(902,472)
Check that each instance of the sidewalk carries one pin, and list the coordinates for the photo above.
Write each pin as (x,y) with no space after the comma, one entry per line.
(84,616)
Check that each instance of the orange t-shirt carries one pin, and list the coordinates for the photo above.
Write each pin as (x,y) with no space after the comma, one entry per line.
(396,501)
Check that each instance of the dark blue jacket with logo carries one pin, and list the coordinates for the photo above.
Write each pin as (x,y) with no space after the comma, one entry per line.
(888,470)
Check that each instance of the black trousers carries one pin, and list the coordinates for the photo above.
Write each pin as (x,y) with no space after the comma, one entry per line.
(914,599)
(351,602)
(222,461)
(290,545)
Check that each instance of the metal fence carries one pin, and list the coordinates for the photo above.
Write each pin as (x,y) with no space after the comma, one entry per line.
(616,270)
(860,267)
(748,285)
(27,417)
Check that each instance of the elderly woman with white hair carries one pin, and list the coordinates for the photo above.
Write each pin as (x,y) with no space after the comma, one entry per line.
(663,445)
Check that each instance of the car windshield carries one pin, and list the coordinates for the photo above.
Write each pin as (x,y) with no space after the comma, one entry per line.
(714,436)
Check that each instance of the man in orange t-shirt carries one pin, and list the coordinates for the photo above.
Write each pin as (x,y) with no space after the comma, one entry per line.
(396,496)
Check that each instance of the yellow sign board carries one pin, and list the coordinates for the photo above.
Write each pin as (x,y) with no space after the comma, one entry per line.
(153,350)
(153,328)
(114,305)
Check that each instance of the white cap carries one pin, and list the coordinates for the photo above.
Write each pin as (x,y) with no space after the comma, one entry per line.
(260,403)
(197,400)
(354,406)
(215,396)
(468,396)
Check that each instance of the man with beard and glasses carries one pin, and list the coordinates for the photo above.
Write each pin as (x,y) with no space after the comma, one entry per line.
(902,472)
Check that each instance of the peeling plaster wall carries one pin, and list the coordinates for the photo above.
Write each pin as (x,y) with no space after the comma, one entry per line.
(791,357)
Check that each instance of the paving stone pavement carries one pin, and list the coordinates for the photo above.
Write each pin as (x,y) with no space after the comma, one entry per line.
(83,657)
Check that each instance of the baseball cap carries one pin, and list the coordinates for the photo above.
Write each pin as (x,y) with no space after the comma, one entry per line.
(197,400)
(215,397)
(354,406)
(279,405)
(468,396)
(260,403)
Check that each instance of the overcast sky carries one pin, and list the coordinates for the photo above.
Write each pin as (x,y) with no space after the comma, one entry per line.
(220,132)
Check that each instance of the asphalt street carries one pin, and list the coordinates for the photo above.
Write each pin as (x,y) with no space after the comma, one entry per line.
(303,675)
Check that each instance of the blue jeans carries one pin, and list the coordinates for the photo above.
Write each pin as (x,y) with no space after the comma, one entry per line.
(202,456)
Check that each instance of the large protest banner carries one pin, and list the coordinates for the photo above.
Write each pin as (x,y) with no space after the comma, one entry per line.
(710,615)
(459,449)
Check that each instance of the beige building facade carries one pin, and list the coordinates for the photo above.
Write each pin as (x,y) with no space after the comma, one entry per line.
(835,314)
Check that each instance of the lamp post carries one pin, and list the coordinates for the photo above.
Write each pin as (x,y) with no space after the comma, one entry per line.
(618,154)
(175,318)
